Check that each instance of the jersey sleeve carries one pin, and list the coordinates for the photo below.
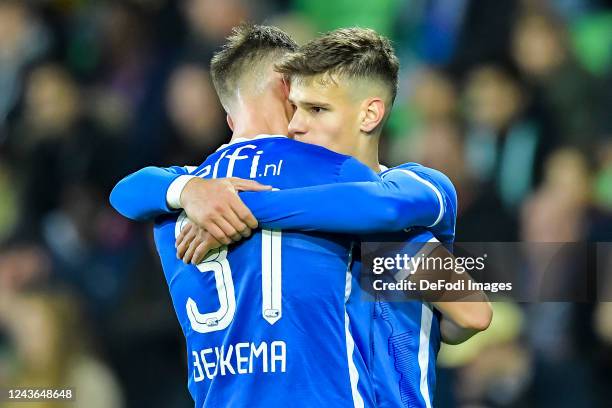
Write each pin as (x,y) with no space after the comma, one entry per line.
(300,208)
(433,180)
(142,195)
(401,198)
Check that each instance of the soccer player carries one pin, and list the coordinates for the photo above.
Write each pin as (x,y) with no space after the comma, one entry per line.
(334,81)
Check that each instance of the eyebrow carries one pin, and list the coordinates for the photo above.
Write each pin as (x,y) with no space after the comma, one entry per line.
(313,103)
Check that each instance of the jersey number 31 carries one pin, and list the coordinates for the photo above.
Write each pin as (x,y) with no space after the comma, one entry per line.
(217,263)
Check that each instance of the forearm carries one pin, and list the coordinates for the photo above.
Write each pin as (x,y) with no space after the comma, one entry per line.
(453,334)
(462,320)
(465,312)
(469,310)
(360,207)
(143,195)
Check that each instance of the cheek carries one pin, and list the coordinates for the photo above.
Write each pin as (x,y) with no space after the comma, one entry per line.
(313,137)
(340,128)
(316,133)
(328,125)
(326,130)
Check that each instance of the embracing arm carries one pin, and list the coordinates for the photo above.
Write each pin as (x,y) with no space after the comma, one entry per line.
(464,312)
(400,199)
(143,195)
(212,204)
(453,333)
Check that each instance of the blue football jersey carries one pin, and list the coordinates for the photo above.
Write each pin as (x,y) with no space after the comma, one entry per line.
(406,335)
(265,321)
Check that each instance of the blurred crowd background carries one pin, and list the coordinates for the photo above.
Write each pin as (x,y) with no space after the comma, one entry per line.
(511,99)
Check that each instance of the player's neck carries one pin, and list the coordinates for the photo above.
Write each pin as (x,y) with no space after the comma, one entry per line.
(248,133)
(367,152)
(372,162)
(251,124)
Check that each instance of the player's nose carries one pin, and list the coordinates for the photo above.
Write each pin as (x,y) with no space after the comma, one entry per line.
(296,126)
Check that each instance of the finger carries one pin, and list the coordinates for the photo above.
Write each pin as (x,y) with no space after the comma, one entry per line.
(190,250)
(203,249)
(241,227)
(217,233)
(184,232)
(248,185)
(182,247)
(199,253)
(227,228)
(200,238)
(244,214)
(184,244)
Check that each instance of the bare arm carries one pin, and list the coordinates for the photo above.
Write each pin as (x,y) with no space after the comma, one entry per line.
(464,313)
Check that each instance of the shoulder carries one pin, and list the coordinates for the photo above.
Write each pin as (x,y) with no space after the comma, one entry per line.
(426,175)
(314,159)
(353,170)
(291,145)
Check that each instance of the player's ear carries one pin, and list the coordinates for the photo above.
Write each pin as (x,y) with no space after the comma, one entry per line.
(373,112)
(230,122)
(286,85)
